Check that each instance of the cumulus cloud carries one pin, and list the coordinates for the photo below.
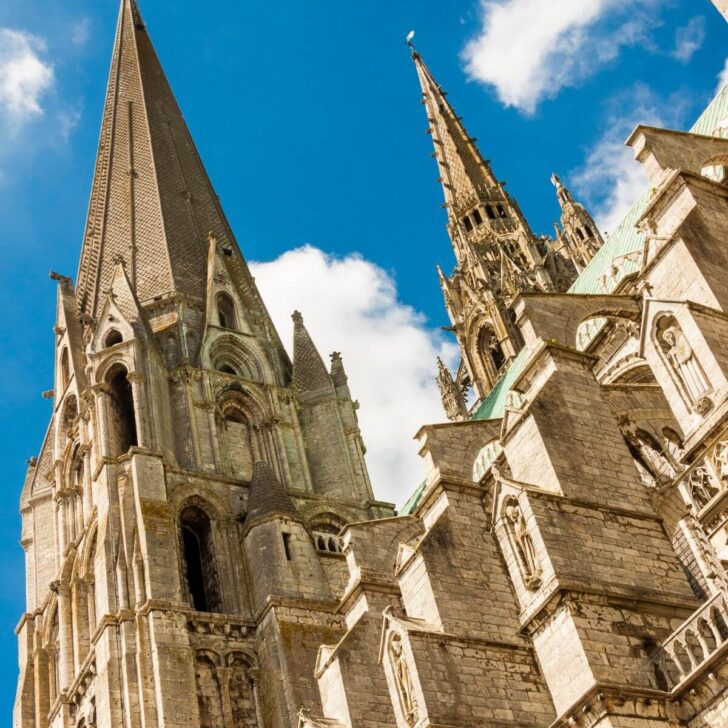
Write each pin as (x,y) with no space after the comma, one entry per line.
(610,178)
(350,305)
(24,77)
(722,77)
(689,38)
(528,50)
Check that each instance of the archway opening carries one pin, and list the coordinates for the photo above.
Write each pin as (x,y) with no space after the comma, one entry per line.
(122,419)
(199,560)
(226,311)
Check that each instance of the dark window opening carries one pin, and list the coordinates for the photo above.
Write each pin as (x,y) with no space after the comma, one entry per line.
(581,232)
(477,216)
(200,571)
(112,338)
(467,223)
(122,430)
(489,212)
(498,356)
(226,311)
(226,369)
(501,211)
(287,546)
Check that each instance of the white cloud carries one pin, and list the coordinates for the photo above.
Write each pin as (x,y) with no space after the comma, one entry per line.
(24,76)
(528,50)
(689,38)
(722,77)
(350,305)
(81,32)
(610,179)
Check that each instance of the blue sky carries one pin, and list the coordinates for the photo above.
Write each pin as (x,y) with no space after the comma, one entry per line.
(307,116)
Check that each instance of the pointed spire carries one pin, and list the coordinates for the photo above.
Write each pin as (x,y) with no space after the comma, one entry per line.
(267,496)
(464,174)
(151,200)
(338,373)
(579,233)
(310,376)
(453,400)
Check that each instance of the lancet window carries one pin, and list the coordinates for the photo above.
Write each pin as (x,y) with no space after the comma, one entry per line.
(122,418)
(200,565)
(226,316)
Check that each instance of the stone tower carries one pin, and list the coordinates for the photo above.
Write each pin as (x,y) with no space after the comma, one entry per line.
(578,231)
(180,523)
(498,256)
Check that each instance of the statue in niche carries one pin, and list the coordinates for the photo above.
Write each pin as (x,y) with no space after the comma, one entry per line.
(683,361)
(701,486)
(402,678)
(524,545)
(654,456)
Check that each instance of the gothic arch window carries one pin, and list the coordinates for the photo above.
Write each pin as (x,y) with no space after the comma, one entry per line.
(65,369)
(491,351)
(225,368)
(199,559)
(226,311)
(209,700)
(122,418)
(113,338)
(467,223)
(477,217)
(681,361)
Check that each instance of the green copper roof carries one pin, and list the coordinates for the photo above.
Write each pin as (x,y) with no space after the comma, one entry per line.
(493,406)
(409,507)
(602,275)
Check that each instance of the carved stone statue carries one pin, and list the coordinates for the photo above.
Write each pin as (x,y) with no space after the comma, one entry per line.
(684,363)
(402,678)
(524,545)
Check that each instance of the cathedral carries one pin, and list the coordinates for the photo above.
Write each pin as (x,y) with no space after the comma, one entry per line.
(203,545)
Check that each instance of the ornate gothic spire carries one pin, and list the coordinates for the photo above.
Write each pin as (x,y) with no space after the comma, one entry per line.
(453,400)
(578,231)
(152,203)
(310,376)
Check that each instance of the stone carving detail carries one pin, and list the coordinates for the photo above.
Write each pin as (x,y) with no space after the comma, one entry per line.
(208,692)
(684,364)
(403,679)
(242,698)
(702,486)
(523,543)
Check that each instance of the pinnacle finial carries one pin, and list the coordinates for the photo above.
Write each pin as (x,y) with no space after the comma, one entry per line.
(556,180)
(297,317)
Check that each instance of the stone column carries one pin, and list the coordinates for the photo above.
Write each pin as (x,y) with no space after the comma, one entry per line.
(102,417)
(144,438)
(65,637)
(223,681)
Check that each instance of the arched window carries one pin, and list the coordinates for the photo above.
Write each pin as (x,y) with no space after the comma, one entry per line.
(226,311)
(226,369)
(65,369)
(491,350)
(122,420)
(199,560)
(112,338)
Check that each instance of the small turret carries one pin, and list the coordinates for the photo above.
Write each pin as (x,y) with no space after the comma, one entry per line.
(578,233)
(452,395)
(281,555)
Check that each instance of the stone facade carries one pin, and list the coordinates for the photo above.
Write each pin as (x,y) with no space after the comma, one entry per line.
(203,546)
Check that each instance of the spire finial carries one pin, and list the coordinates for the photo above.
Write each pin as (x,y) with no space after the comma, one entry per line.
(408,41)
(297,317)
(556,180)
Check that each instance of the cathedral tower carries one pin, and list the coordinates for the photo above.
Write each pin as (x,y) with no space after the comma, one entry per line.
(180,524)
(498,256)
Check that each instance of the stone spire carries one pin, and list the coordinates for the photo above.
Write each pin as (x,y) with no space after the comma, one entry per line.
(267,496)
(578,232)
(152,203)
(453,400)
(485,225)
(498,256)
(310,376)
